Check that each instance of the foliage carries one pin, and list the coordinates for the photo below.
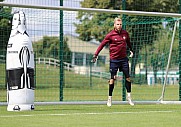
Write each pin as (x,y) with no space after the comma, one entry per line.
(160,49)
(49,47)
(169,6)
(5,28)
(96,25)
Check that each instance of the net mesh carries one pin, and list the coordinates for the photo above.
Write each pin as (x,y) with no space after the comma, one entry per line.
(82,32)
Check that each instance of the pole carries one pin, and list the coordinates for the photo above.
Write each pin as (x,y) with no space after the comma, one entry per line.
(124,27)
(61,53)
(179,53)
(90,74)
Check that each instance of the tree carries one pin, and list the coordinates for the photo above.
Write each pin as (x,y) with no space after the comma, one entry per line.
(5,27)
(49,47)
(97,25)
(139,36)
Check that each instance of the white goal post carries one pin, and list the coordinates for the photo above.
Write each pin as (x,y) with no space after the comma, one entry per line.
(169,59)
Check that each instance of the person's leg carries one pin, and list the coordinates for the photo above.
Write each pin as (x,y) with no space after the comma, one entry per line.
(128,84)
(125,69)
(128,87)
(111,88)
(113,71)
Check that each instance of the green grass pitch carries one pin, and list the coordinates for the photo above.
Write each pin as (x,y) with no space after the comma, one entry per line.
(156,115)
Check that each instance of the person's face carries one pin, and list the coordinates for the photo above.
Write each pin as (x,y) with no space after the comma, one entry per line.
(118,25)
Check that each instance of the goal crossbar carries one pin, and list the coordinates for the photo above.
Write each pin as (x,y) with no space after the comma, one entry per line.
(127,12)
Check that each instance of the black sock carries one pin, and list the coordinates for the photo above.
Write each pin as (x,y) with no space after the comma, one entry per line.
(128,86)
(111,87)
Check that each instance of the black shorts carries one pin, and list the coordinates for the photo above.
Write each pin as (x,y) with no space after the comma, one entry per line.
(122,65)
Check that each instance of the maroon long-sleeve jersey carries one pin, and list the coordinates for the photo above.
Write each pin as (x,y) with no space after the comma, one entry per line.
(118,43)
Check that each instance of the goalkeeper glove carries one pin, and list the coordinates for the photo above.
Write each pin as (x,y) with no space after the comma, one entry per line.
(131,54)
(94,59)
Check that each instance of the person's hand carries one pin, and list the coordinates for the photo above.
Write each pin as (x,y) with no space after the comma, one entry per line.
(94,58)
(131,54)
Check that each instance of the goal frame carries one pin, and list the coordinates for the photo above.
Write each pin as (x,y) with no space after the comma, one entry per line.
(127,12)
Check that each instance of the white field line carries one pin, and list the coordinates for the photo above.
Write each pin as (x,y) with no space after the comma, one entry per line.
(76,114)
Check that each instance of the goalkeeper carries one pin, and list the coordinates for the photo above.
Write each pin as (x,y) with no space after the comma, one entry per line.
(118,41)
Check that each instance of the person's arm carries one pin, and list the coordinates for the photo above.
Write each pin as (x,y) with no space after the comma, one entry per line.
(129,45)
(101,46)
